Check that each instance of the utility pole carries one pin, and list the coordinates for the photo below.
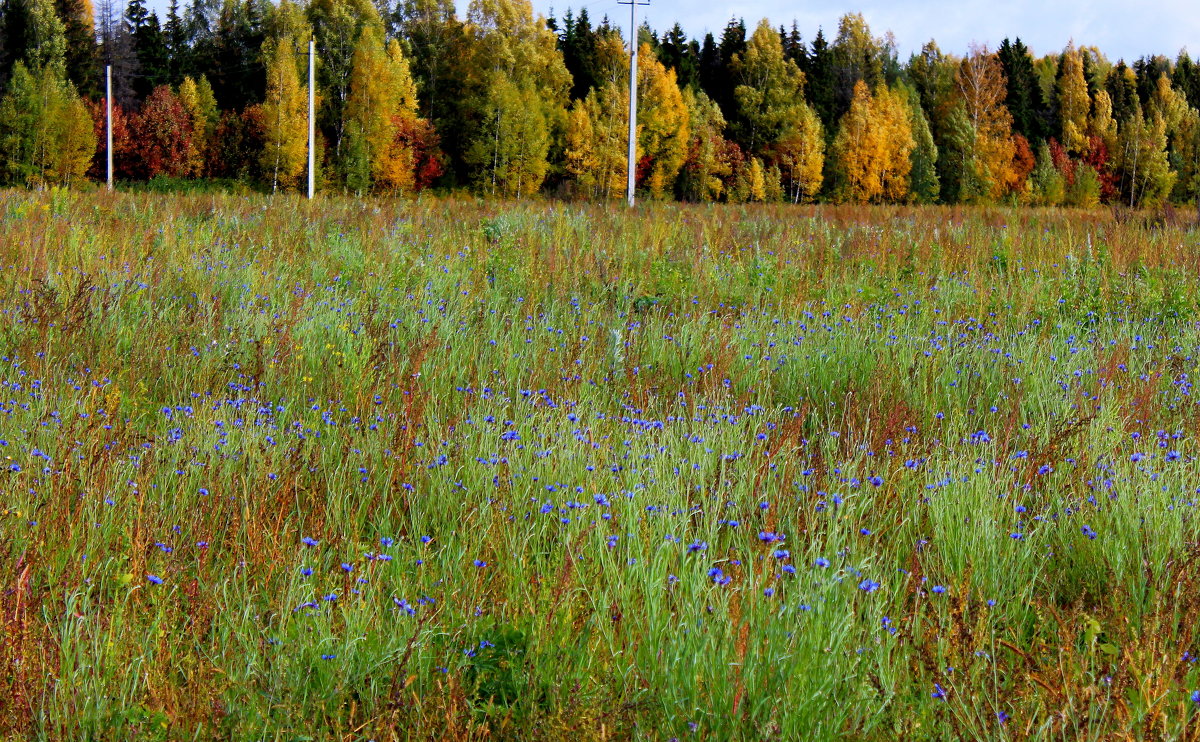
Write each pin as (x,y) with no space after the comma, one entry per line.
(108,119)
(633,55)
(312,121)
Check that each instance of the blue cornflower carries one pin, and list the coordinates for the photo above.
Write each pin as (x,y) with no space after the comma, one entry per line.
(154,579)
(869,586)
(939,692)
(309,541)
(697,546)
(480,563)
(939,589)
(821,562)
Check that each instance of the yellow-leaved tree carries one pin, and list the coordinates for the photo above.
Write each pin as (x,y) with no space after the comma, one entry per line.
(991,168)
(383,96)
(285,116)
(1073,101)
(873,146)
(663,124)
(598,129)
(707,164)
(201,106)
(516,95)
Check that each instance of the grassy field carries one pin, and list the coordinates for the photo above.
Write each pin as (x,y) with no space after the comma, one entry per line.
(457,470)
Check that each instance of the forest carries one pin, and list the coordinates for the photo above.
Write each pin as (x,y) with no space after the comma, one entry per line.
(504,102)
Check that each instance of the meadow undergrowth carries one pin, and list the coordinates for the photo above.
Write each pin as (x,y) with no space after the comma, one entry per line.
(442,469)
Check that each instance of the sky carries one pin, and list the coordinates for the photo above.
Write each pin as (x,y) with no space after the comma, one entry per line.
(1120,28)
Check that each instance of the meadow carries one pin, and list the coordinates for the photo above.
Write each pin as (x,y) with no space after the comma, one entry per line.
(447,469)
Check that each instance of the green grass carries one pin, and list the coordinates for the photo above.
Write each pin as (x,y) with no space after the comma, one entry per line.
(604,407)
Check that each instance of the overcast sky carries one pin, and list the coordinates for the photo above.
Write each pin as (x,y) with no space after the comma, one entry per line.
(1124,28)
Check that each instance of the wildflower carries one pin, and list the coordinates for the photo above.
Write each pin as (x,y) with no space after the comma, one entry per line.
(869,586)
(939,589)
(939,692)
(308,541)
(1196,696)
(154,579)
(480,563)
(821,562)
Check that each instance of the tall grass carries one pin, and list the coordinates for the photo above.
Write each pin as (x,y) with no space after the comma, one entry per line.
(454,470)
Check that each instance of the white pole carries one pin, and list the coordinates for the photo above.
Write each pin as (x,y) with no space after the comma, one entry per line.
(108,116)
(633,49)
(312,137)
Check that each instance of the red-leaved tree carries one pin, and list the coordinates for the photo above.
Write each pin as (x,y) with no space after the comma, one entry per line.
(162,131)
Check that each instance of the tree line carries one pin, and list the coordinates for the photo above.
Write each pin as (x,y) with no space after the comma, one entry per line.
(411,96)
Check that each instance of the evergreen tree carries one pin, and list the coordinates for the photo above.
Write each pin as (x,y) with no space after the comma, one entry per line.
(1121,86)
(434,37)
(679,53)
(175,37)
(1023,94)
(857,55)
(1186,77)
(716,73)
(822,81)
(82,54)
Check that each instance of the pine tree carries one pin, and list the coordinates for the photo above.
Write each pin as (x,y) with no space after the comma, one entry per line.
(82,54)
(175,37)
(682,55)
(1121,86)
(1023,95)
